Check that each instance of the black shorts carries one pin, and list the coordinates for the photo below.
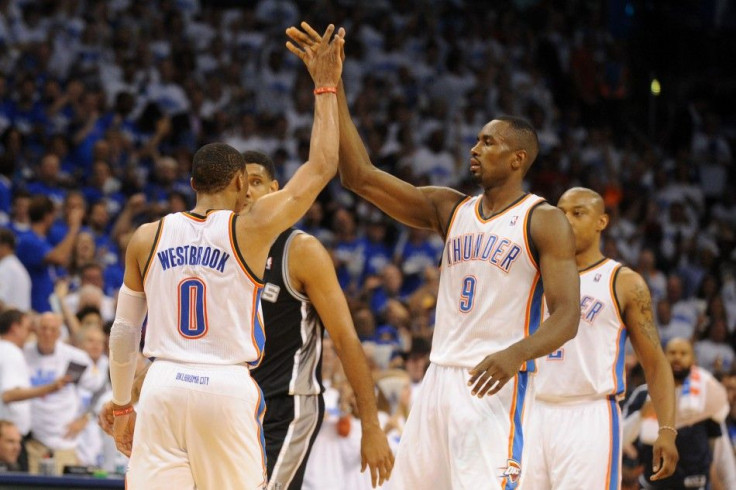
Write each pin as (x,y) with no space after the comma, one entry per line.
(288,450)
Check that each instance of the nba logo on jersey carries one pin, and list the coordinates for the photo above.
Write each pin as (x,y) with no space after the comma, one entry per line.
(269,262)
(512,471)
(513,221)
(597,278)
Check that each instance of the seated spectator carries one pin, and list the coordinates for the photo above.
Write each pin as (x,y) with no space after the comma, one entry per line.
(55,420)
(10,445)
(15,286)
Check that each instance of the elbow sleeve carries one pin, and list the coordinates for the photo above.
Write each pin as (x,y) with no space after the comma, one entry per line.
(125,338)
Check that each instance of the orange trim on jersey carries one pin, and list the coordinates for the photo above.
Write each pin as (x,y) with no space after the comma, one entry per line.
(500,213)
(254,323)
(197,218)
(454,214)
(529,300)
(612,288)
(527,238)
(236,254)
(512,432)
(153,251)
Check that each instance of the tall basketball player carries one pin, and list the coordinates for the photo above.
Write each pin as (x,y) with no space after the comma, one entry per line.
(579,385)
(192,273)
(465,427)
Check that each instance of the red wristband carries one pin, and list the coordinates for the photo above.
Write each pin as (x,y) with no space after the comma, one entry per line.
(325,90)
(122,411)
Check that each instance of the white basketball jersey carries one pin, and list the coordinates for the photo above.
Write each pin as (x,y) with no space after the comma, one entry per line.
(590,365)
(204,303)
(490,292)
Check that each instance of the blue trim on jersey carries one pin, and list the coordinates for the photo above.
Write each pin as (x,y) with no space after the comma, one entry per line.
(620,375)
(259,332)
(614,481)
(517,446)
(535,318)
(259,421)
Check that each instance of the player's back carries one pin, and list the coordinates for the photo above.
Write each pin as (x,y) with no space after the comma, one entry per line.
(490,293)
(590,365)
(204,303)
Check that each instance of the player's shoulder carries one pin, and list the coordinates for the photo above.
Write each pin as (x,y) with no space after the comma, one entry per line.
(145,235)
(305,247)
(629,281)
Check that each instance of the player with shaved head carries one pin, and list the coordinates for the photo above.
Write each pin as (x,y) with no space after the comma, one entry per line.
(579,385)
(501,245)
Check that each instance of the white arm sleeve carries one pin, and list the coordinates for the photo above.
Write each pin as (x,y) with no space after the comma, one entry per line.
(125,338)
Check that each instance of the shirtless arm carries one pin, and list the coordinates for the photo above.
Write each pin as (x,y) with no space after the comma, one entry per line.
(312,271)
(553,238)
(636,304)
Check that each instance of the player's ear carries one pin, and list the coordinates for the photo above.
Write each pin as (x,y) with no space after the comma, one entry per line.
(603,220)
(191,184)
(274,186)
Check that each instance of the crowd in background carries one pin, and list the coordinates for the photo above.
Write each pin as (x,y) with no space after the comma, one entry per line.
(102,105)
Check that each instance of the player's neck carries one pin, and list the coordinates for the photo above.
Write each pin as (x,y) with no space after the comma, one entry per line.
(499,198)
(589,257)
(211,202)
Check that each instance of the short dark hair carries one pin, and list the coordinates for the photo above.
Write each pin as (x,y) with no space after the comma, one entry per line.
(8,318)
(261,159)
(525,133)
(88,310)
(40,207)
(214,166)
(7,237)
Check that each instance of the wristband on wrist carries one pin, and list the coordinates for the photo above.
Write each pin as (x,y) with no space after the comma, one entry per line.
(668,427)
(325,90)
(122,411)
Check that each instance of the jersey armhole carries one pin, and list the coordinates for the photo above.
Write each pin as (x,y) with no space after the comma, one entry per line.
(451,218)
(614,296)
(531,248)
(156,239)
(236,249)
(285,269)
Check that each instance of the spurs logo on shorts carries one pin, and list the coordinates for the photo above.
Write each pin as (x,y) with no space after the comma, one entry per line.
(512,471)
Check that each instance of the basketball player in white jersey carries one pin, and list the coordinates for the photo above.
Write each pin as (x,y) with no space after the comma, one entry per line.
(193,274)
(575,430)
(500,246)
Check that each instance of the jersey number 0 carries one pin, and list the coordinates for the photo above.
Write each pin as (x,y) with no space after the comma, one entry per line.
(192,308)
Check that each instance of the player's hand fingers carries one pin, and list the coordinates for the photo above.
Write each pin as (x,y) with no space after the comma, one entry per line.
(374,475)
(295,50)
(484,378)
(501,383)
(313,35)
(492,381)
(656,460)
(299,37)
(363,463)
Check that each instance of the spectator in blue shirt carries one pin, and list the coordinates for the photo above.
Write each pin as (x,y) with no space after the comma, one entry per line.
(39,256)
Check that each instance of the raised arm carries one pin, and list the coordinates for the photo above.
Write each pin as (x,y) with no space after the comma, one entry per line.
(554,241)
(636,305)
(323,57)
(420,207)
(312,271)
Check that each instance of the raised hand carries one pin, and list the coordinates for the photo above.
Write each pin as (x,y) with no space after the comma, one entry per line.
(322,55)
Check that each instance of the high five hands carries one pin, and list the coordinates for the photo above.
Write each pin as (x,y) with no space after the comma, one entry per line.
(322,55)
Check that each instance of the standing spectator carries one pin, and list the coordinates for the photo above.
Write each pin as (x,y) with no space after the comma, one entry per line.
(15,286)
(655,279)
(54,418)
(713,351)
(38,255)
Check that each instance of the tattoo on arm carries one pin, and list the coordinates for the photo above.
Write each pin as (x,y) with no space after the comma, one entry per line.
(643,302)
